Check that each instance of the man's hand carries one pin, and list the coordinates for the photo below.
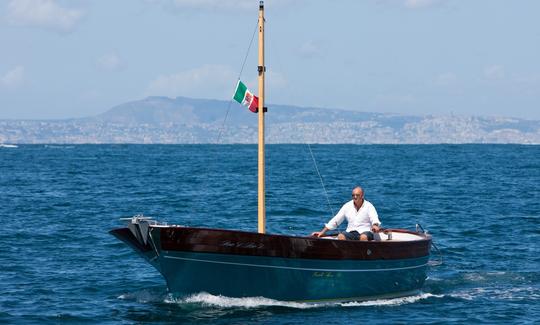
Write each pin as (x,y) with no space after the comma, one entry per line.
(319,233)
(375,228)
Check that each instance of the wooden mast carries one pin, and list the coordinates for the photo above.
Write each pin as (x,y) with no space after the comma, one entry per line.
(261,70)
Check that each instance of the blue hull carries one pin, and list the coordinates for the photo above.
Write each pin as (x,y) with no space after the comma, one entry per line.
(291,279)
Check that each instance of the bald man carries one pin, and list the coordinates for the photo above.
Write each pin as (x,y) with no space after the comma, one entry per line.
(361,217)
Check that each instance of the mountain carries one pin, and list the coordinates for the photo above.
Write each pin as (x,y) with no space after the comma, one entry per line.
(190,120)
(183,110)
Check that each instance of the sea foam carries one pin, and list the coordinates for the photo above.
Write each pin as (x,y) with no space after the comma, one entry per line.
(209,300)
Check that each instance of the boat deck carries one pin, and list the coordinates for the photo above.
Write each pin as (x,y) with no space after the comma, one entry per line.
(392,235)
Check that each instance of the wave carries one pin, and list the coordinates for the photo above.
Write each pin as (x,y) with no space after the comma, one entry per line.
(145,296)
(3,145)
(208,300)
(57,146)
(393,301)
(528,293)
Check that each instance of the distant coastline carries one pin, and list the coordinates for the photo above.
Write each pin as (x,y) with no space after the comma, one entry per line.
(162,120)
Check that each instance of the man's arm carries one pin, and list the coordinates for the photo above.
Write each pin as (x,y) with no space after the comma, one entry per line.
(332,224)
(374,219)
(320,233)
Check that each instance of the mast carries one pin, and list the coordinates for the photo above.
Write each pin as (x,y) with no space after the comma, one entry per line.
(261,109)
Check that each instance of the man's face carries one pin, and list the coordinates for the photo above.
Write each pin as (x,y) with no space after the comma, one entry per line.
(358,196)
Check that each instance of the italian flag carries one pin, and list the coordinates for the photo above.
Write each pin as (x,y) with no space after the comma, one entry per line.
(245,97)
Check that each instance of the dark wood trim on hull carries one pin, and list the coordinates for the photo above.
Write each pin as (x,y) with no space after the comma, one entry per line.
(205,240)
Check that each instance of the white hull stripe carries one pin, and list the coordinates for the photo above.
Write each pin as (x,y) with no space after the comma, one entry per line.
(299,268)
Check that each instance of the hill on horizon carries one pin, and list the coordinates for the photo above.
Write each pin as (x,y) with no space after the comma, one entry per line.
(191,120)
(185,110)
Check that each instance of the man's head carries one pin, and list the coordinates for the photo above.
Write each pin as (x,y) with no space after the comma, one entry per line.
(358,195)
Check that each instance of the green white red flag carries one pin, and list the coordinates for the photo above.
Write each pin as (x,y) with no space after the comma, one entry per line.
(246,97)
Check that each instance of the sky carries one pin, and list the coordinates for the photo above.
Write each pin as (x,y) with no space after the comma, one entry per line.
(76,58)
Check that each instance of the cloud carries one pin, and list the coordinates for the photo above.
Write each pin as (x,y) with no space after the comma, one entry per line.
(412,4)
(274,80)
(417,4)
(394,100)
(13,78)
(494,72)
(310,49)
(109,62)
(42,13)
(216,5)
(445,79)
(207,81)
(91,94)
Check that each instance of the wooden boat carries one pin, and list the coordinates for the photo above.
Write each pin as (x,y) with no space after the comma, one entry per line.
(291,268)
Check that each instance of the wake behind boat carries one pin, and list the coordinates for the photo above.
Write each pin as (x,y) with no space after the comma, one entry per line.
(247,264)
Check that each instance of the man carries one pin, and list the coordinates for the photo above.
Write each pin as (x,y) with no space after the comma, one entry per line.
(361,216)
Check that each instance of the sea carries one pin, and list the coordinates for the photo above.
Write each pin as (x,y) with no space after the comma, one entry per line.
(59,264)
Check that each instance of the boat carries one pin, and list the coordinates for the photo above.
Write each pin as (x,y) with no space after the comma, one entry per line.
(283,267)
(4,145)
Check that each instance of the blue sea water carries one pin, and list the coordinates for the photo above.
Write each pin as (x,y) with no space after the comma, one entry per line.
(58,264)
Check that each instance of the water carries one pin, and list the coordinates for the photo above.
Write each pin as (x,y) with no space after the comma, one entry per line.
(59,264)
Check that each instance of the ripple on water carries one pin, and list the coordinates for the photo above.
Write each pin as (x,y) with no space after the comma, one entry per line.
(59,264)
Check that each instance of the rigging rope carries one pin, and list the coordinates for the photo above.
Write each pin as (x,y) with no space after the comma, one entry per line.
(290,87)
(320,178)
(239,75)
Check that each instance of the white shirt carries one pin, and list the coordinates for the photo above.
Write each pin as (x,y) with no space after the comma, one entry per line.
(360,220)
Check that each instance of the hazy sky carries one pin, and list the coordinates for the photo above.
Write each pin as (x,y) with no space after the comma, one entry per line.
(75,58)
